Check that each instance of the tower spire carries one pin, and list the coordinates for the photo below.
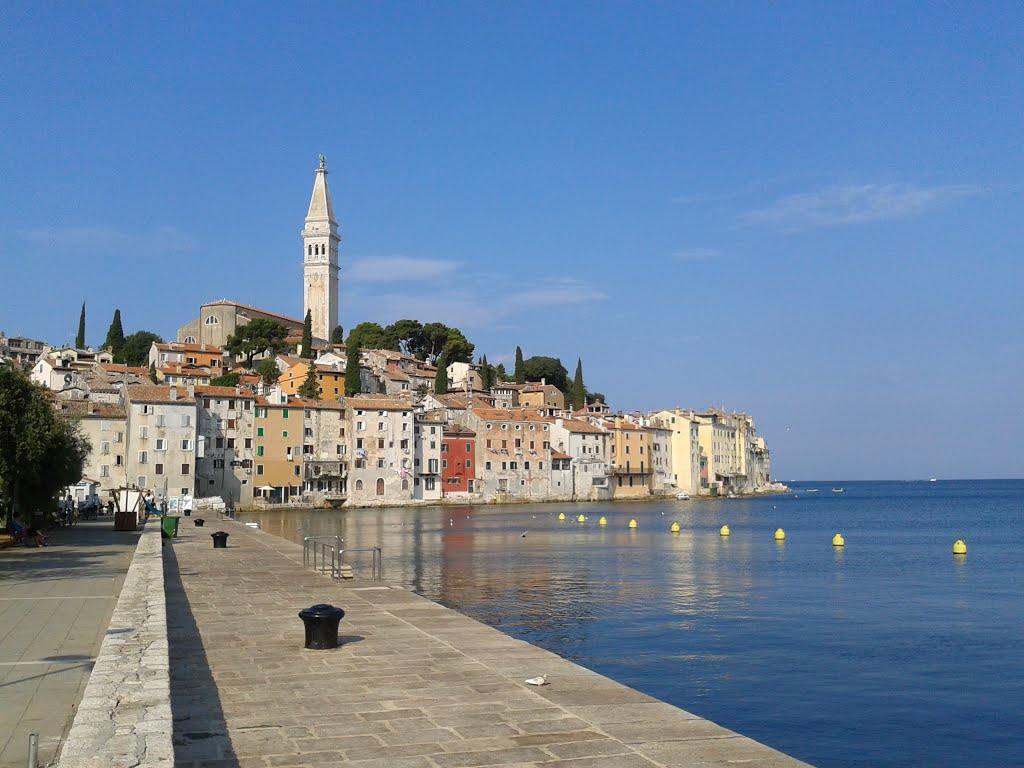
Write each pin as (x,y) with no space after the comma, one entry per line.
(320,240)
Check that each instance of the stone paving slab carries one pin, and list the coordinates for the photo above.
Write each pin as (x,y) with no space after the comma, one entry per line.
(55,605)
(413,684)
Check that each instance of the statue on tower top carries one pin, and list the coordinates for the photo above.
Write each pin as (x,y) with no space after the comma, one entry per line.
(323,162)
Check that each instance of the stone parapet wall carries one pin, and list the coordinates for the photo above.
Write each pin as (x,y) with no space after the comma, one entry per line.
(124,719)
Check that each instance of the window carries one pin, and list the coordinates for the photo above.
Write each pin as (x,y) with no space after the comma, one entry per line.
(259,469)
(218,463)
(231,443)
(487,465)
(513,465)
(469,463)
(526,465)
(405,484)
(259,450)
(160,419)
(404,445)
(104,426)
(186,420)
(284,433)
(158,469)
(143,432)
(161,444)
(444,463)
(284,413)
(298,470)
(382,426)
(143,457)
(248,443)
(444,447)
(428,483)
(211,320)
(504,465)
(219,442)
(141,481)
(147,409)
(118,460)
(432,466)
(261,413)
(488,442)
(105,470)
(186,445)
(185,469)
(119,437)
(359,443)
(380,463)
(359,485)
(360,426)
(105,446)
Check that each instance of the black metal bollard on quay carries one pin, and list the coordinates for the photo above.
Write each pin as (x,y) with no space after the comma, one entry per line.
(220,540)
(321,622)
(198,522)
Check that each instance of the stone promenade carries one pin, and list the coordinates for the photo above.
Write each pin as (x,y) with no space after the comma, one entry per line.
(55,606)
(414,684)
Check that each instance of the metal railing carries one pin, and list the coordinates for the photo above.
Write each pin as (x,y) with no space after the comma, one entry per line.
(326,554)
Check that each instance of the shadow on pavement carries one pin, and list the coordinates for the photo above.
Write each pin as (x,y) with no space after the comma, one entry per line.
(200,731)
(75,552)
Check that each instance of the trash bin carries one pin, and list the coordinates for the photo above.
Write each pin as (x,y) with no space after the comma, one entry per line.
(321,622)
(169,526)
(199,522)
(220,540)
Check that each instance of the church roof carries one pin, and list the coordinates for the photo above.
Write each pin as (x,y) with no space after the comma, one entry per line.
(320,203)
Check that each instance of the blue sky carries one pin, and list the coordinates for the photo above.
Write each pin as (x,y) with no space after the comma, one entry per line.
(811,212)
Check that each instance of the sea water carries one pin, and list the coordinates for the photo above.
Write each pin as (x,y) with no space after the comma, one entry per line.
(890,651)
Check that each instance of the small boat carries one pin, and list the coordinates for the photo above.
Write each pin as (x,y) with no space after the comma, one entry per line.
(810,490)
(838,490)
(732,496)
(683,496)
(933,480)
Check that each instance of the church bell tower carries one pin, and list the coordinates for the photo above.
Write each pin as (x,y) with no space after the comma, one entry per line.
(320,242)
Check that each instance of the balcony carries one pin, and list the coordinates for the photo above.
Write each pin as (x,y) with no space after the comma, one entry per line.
(316,470)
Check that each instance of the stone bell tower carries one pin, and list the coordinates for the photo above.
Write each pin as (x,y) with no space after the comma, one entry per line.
(320,242)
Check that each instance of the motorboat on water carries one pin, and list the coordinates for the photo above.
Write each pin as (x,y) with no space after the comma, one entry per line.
(810,490)
(682,497)
(838,490)
(732,496)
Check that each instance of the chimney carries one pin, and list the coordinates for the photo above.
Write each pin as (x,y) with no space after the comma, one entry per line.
(172,393)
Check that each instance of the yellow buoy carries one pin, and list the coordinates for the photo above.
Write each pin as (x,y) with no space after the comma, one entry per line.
(675,527)
(959,547)
(602,521)
(724,530)
(838,540)
(580,519)
(780,535)
(632,523)
(561,515)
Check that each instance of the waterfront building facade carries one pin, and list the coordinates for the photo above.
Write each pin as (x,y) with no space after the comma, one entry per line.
(458,461)
(382,472)
(224,458)
(161,423)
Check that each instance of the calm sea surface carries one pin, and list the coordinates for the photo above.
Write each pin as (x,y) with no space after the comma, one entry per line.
(890,652)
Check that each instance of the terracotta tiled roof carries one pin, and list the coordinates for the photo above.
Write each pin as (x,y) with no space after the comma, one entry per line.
(516,414)
(377,404)
(181,346)
(291,361)
(119,368)
(436,416)
(557,455)
(457,402)
(459,431)
(86,409)
(582,426)
(210,391)
(141,393)
(317,405)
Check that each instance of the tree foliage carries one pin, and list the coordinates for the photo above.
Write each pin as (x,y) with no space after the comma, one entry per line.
(500,374)
(338,335)
(520,371)
(310,388)
(152,373)
(374,336)
(135,348)
(579,392)
(486,373)
(80,338)
(227,380)
(256,337)
(40,451)
(268,371)
(307,335)
(353,383)
(548,368)
(441,380)
(115,334)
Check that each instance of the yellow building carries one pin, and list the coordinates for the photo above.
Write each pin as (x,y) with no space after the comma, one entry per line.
(631,459)
(685,447)
(542,395)
(330,378)
(277,450)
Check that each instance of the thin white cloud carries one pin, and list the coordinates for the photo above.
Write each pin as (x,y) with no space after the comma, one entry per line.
(109,240)
(838,206)
(399,268)
(696,254)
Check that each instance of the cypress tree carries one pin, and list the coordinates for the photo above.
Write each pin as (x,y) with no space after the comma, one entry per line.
(579,392)
(310,388)
(307,336)
(80,338)
(441,381)
(338,335)
(486,373)
(152,373)
(520,370)
(352,383)
(115,334)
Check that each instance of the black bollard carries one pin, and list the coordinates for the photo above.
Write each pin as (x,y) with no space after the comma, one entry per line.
(220,540)
(198,522)
(321,622)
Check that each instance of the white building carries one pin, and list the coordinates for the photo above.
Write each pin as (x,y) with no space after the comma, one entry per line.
(588,448)
(224,465)
(429,434)
(381,435)
(161,430)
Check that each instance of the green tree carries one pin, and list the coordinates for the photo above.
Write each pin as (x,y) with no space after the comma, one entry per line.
(579,392)
(307,335)
(500,374)
(375,336)
(338,335)
(268,371)
(409,335)
(152,373)
(115,334)
(441,380)
(41,452)
(457,348)
(310,388)
(135,348)
(256,337)
(596,397)
(353,385)
(548,368)
(435,336)
(80,338)
(227,380)
(486,373)
(520,371)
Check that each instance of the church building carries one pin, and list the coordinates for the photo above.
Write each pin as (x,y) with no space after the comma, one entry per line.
(320,242)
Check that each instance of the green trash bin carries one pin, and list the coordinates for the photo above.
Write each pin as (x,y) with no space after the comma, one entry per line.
(169,527)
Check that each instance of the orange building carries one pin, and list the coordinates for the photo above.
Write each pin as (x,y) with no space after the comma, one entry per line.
(277,450)
(630,458)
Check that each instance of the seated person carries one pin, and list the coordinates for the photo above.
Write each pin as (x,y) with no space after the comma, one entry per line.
(35,534)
